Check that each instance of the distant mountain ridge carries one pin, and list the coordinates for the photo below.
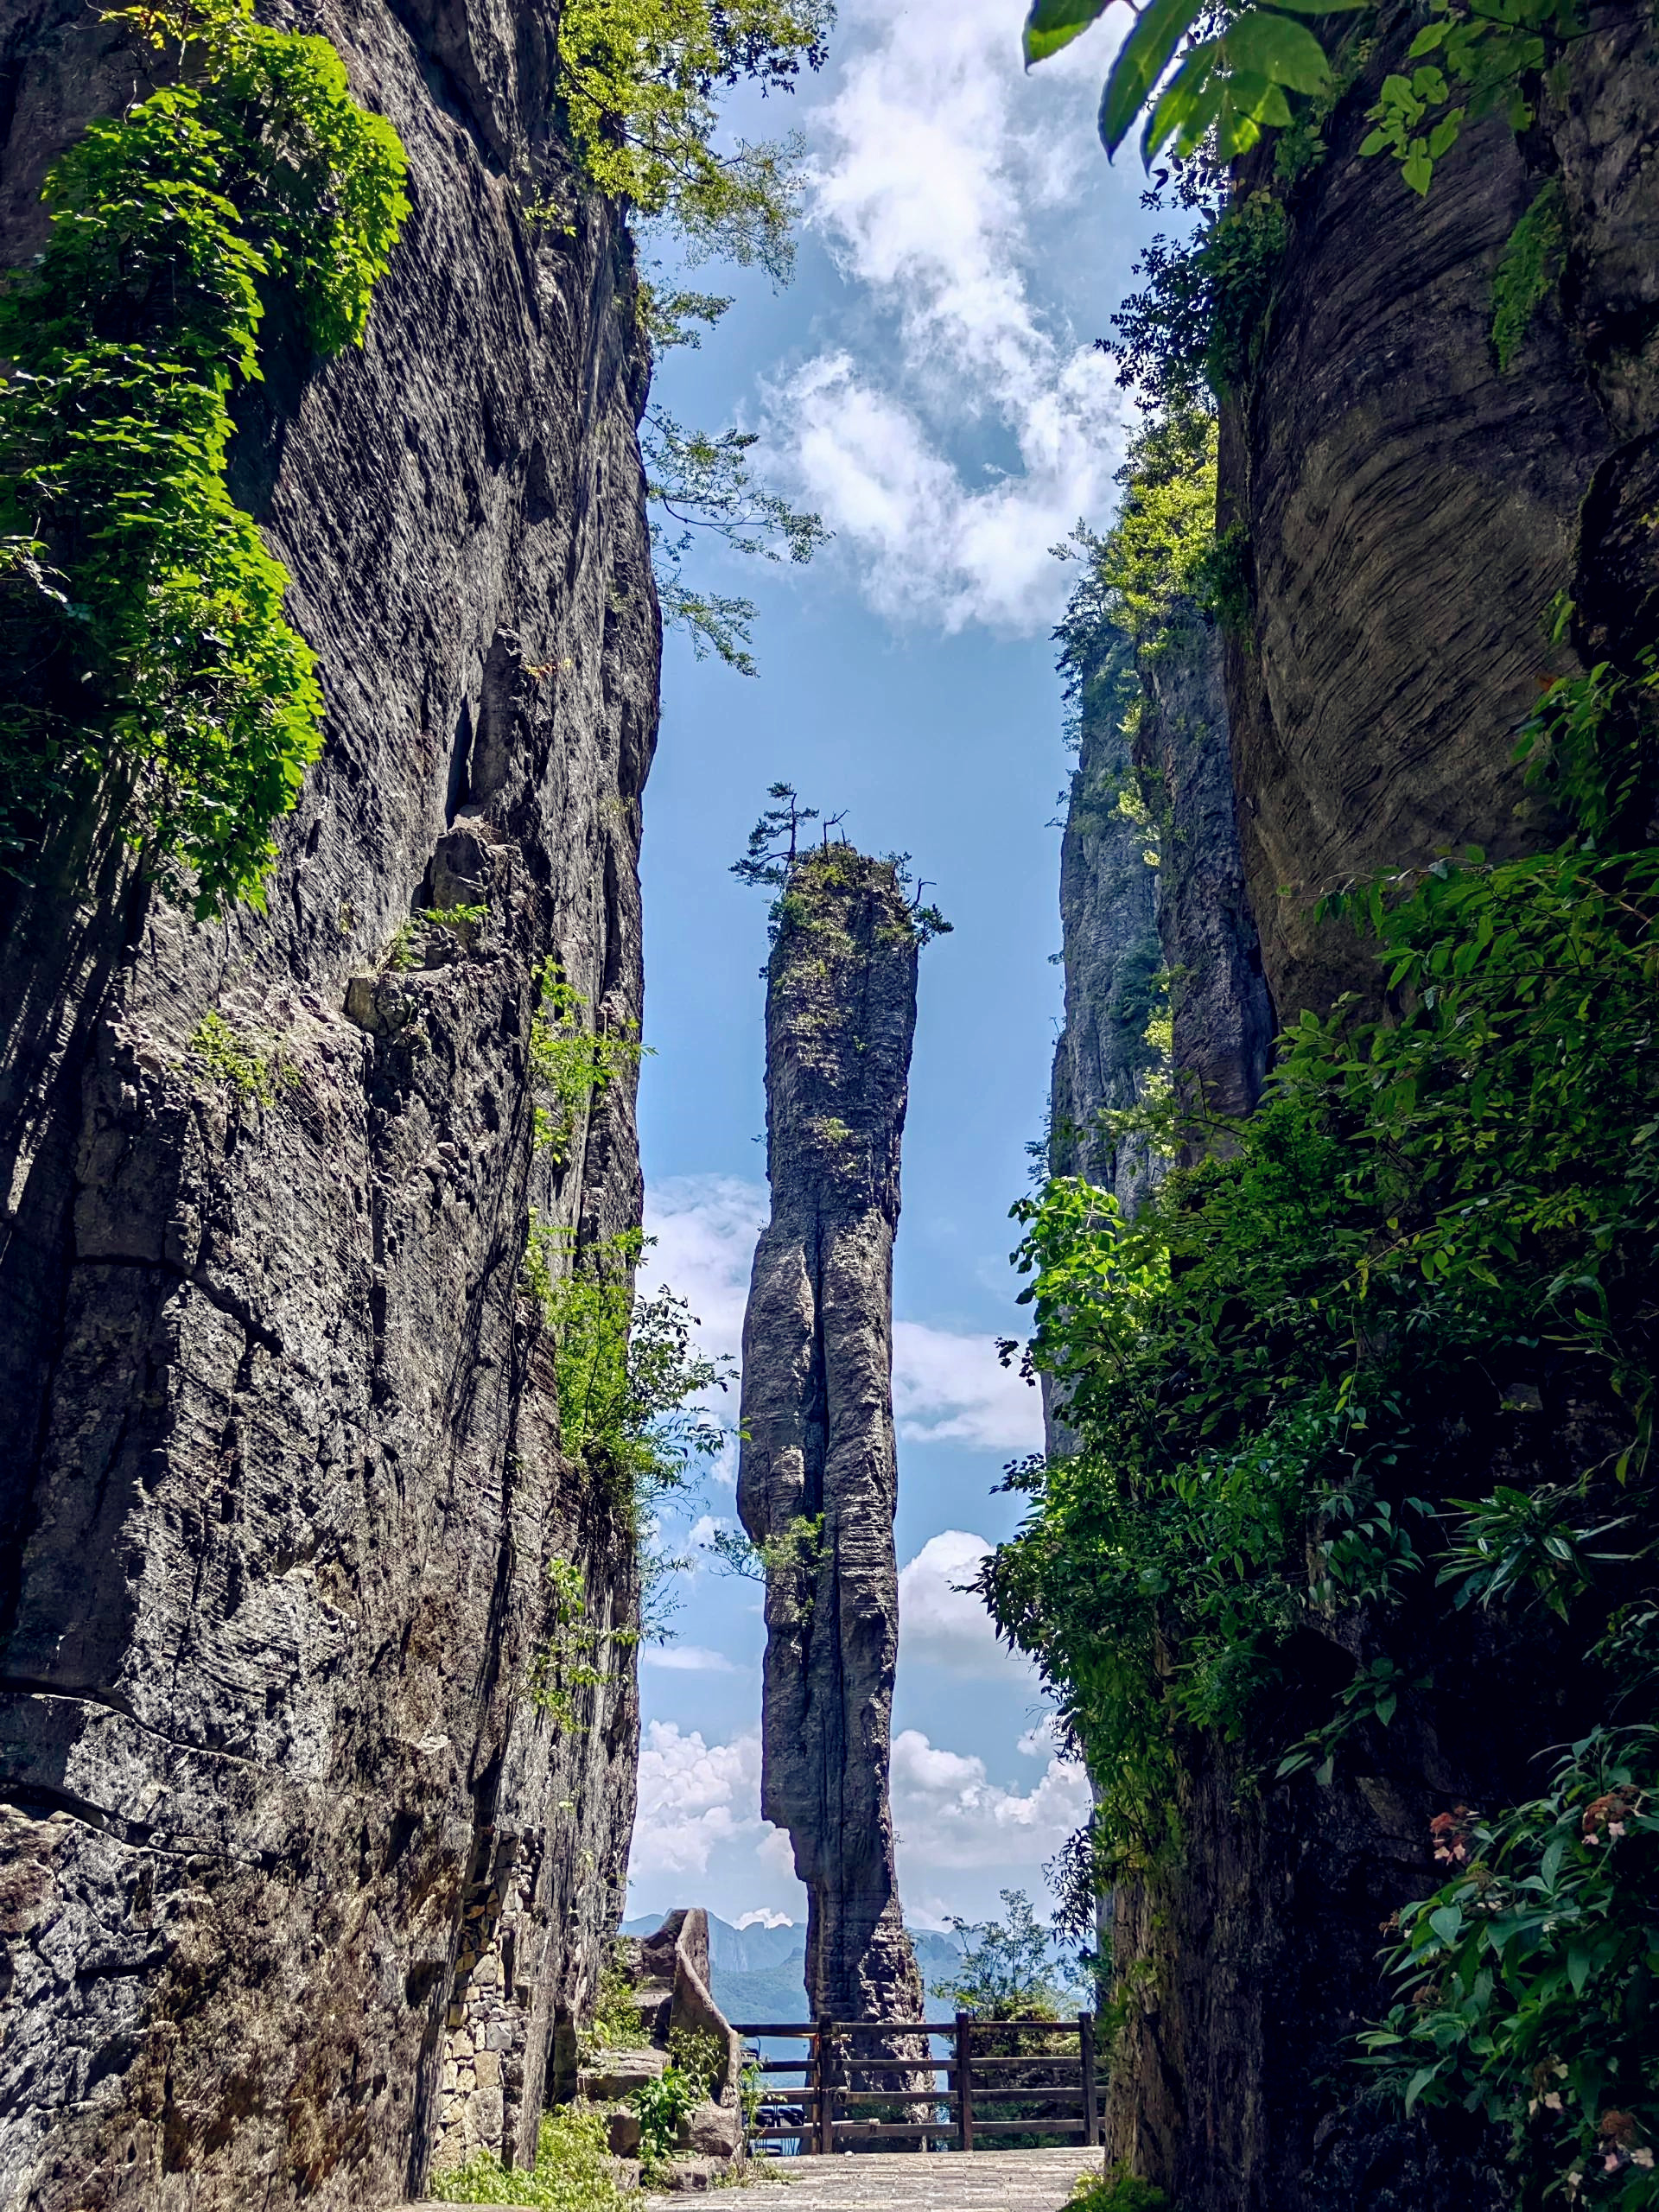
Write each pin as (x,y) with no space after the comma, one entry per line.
(758,1973)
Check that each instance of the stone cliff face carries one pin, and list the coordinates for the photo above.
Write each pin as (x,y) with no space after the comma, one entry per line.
(1110,946)
(299,1886)
(818,1480)
(1150,887)
(1411,514)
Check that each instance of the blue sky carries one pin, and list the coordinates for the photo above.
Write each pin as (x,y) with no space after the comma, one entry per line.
(927,385)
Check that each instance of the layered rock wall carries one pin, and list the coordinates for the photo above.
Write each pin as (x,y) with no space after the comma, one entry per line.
(817,1479)
(300,1884)
(1412,515)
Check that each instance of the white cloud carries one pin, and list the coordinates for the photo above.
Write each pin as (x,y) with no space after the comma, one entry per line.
(949,1387)
(936,164)
(761,1919)
(705,1227)
(943,1624)
(694,1798)
(688,1659)
(1042,1740)
(949,1815)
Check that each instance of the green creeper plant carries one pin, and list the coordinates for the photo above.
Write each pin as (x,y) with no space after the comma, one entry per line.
(569,1062)
(1220,77)
(151,669)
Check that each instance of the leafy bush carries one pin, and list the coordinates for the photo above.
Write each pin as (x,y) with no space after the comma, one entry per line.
(149,663)
(701,2056)
(663,2104)
(638,80)
(1118,2191)
(616,2024)
(574,2171)
(1526,1981)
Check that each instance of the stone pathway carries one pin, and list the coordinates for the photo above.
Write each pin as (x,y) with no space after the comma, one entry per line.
(907,2181)
(920,2181)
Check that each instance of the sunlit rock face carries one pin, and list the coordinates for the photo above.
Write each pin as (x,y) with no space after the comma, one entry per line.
(300,1885)
(817,1481)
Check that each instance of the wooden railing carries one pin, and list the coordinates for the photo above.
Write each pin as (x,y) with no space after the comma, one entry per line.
(821,2113)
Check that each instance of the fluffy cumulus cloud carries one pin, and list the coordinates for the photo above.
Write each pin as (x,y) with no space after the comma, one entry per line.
(936,174)
(950,1816)
(699,1821)
(942,1623)
(695,1799)
(948,1386)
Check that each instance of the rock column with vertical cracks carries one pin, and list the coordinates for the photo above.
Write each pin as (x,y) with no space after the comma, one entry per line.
(817,1481)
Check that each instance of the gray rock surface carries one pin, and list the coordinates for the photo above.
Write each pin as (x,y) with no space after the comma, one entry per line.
(817,1471)
(1110,951)
(299,1885)
(1413,513)
(1221,1017)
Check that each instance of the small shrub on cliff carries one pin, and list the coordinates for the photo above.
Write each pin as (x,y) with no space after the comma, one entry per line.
(1118,2191)
(149,669)
(574,2171)
(616,2024)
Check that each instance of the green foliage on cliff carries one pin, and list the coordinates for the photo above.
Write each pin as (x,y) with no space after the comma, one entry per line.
(809,879)
(1288,1369)
(627,1369)
(1527,271)
(639,80)
(149,668)
(704,484)
(574,2171)
(1205,76)
(571,1062)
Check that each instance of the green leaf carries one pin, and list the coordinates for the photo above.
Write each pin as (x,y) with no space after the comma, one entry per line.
(1158,29)
(1187,105)
(1417,169)
(1054,24)
(1260,45)
(1419,2081)
(1446,1920)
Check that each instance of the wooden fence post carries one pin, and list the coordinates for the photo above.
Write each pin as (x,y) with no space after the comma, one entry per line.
(964,2083)
(826,2113)
(1086,2053)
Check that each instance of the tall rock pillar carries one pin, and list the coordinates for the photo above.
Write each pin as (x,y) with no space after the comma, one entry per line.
(818,1480)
